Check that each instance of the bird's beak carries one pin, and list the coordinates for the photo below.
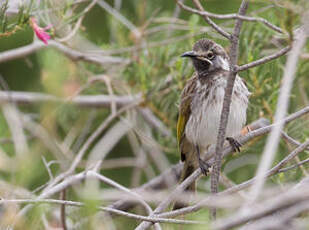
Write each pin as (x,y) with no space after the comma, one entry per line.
(191,54)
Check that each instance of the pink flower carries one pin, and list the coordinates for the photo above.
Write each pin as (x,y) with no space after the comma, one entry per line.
(39,31)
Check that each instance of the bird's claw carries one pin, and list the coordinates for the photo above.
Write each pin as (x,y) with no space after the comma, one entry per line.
(204,166)
(234,143)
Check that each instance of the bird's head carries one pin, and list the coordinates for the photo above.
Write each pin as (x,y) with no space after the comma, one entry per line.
(208,56)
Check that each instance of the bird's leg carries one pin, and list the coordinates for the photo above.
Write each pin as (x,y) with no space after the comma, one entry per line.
(204,166)
(234,143)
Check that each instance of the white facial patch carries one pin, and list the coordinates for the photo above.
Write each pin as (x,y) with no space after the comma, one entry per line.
(205,59)
(224,63)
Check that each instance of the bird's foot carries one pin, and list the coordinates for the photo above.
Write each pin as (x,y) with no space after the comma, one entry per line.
(204,166)
(234,143)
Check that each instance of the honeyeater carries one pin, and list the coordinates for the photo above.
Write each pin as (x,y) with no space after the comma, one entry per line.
(201,104)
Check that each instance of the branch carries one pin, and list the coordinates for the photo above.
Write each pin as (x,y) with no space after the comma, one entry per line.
(282,106)
(209,21)
(78,23)
(226,103)
(91,101)
(115,13)
(286,216)
(209,155)
(62,210)
(263,60)
(96,101)
(105,209)
(52,184)
(231,16)
(70,53)
(87,144)
(239,187)
(234,221)
(165,203)
(294,166)
(290,139)
(159,181)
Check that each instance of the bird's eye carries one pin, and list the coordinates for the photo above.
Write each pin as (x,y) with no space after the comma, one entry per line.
(210,55)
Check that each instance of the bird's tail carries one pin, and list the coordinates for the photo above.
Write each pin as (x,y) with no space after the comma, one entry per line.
(187,170)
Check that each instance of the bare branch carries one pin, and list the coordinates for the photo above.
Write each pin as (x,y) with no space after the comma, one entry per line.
(78,23)
(239,187)
(258,130)
(50,174)
(210,22)
(231,16)
(13,118)
(226,151)
(290,139)
(84,100)
(254,213)
(226,102)
(118,16)
(62,210)
(282,106)
(154,121)
(105,209)
(294,166)
(87,144)
(264,59)
(70,53)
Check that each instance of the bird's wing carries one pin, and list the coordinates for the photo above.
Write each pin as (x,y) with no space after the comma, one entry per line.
(184,114)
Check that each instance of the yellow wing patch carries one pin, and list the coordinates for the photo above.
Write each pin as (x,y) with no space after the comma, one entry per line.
(181,123)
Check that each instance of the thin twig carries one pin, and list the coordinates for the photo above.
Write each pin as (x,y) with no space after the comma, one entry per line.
(50,174)
(72,54)
(290,139)
(264,59)
(78,23)
(122,188)
(228,150)
(294,166)
(159,181)
(282,106)
(51,186)
(239,187)
(120,17)
(231,16)
(233,221)
(89,141)
(80,100)
(291,142)
(62,210)
(105,209)
(226,103)
(210,22)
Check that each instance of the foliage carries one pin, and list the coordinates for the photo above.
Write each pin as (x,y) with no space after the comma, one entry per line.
(156,71)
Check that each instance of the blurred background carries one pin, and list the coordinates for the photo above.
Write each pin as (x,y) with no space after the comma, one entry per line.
(139,44)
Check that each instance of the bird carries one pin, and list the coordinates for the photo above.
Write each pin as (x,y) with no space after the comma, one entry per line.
(201,103)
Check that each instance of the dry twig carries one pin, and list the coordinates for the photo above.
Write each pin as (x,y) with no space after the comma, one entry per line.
(227,102)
